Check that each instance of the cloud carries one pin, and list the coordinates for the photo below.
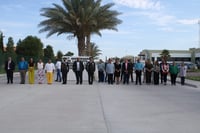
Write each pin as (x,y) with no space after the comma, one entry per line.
(140,4)
(157,18)
(11,7)
(16,24)
(188,21)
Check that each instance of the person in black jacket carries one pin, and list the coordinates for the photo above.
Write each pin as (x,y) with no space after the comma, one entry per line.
(78,68)
(90,67)
(9,68)
(126,68)
(64,70)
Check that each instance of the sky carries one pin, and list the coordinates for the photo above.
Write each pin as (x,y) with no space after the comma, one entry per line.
(147,24)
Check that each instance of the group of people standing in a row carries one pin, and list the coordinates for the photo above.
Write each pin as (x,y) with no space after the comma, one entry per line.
(48,70)
(30,67)
(107,72)
(152,72)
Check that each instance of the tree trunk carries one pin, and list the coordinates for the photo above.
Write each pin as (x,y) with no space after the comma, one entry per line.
(88,45)
(81,45)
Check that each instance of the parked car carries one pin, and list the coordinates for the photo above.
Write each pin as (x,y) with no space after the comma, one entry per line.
(191,66)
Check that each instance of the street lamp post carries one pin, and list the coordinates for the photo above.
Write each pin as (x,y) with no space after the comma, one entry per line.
(1,42)
(199,33)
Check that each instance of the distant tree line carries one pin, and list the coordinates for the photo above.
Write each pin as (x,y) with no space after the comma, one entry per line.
(30,47)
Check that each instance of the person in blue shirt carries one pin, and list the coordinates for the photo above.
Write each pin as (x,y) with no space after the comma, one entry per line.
(138,70)
(23,67)
(110,69)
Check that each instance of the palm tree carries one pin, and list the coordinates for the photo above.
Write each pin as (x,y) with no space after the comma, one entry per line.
(104,18)
(80,19)
(94,50)
(165,54)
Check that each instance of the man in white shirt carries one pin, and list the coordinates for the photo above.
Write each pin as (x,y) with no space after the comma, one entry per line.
(49,70)
(58,69)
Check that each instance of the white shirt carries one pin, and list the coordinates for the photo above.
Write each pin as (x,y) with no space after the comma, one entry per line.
(40,65)
(78,66)
(58,65)
(49,67)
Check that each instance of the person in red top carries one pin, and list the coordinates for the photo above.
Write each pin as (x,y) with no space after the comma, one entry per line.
(165,71)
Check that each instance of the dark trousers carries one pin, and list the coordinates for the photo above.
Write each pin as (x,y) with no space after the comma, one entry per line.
(64,77)
(9,76)
(90,77)
(101,76)
(131,75)
(110,78)
(165,77)
(156,78)
(148,77)
(161,77)
(22,76)
(138,76)
(126,78)
(79,77)
(173,79)
(182,80)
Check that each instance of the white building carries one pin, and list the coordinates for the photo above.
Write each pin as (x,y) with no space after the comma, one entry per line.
(191,55)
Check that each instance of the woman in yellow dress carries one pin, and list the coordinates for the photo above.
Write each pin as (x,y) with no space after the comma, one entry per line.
(31,71)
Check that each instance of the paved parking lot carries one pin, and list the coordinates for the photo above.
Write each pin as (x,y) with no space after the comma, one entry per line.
(98,108)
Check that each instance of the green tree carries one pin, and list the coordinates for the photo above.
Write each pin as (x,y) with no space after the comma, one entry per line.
(103,18)
(48,53)
(165,54)
(30,47)
(79,18)
(10,49)
(94,50)
(1,52)
(69,53)
(59,55)
(1,43)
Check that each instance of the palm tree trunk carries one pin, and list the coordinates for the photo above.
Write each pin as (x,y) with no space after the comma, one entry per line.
(81,45)
(88,45)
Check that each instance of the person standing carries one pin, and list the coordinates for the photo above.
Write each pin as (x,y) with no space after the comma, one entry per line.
(78,68)
(173,69)
(110,68)
(165,71)
(101,69)
(23,67)
(40,71)
(9,68)
(117,70)
(126,71)
(148,68)
(183,72)
(156,71)
(90,67)
(49,70)
(138,70)
(58,70)
(64,70)
(31,71)
(131,70)
(161,73)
